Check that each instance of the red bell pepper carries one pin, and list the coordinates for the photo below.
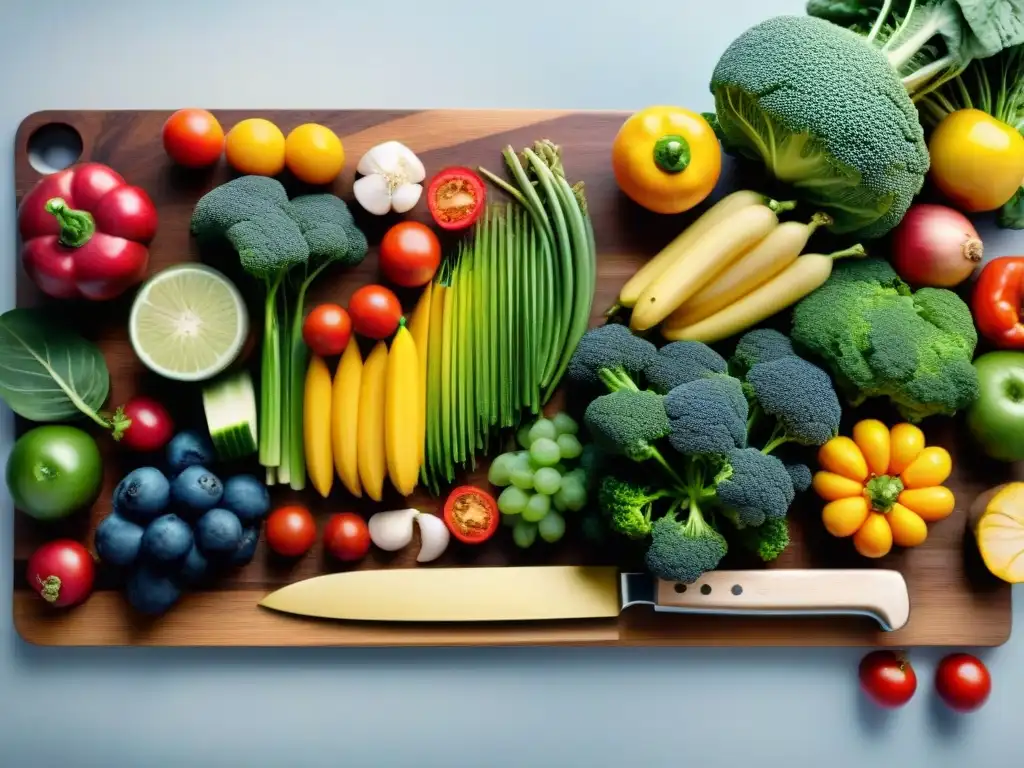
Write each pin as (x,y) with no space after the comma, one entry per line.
(85,233)
(998,302)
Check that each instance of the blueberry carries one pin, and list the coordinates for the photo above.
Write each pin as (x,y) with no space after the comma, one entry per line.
(196,490)
(150,591)
(194,568)
(167,539)
(118,540)
(218,532)
(143,494)
(247,497)
(246,547)
(189,449)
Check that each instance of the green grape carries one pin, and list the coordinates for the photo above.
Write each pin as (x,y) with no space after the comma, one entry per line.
(523,436)
(524,534)
(501,469)
(544,452)
(542,428)
(565,424)
(573,493)
(522,477)
(561,469)
(558,502)
(536,508)
(552,527)
(569,446)
(547,480)
(512,500)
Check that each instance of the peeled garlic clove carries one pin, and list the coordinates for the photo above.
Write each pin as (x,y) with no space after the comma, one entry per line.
(434,537)
(405,197)
(372,193)
(392,530)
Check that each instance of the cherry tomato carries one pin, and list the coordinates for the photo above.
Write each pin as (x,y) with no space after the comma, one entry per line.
(62,571)
(193,138)
(375,311)
(887,679)
(291,530)
(963,682)
(327,329)
(151,428)
(471,514)
(456,198)
(410,254)
(347,537)
(255,146)
(313,153)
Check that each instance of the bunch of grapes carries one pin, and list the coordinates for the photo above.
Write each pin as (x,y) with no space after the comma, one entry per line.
(542,481)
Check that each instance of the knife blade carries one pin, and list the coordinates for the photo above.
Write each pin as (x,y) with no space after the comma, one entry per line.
(534,593)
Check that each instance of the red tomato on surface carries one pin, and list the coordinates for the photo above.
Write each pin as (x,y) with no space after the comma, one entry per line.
(62,572)
(291,530)
(410,254)
(471,514)
(456,198)
(151,428)
(963,682)
(347,537)
(193,138)
(887,679)
(375,311)
(327,329)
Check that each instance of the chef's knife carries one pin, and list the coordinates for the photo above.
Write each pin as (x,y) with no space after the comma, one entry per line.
(579,592)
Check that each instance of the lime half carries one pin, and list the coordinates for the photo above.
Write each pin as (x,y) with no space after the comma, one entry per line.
(188,323)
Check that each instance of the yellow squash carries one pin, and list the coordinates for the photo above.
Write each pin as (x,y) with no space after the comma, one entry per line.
(345,417)
(402,412)
(371,455)
(419,327)
(316,426)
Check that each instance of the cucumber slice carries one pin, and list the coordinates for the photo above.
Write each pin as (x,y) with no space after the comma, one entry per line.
(230,406)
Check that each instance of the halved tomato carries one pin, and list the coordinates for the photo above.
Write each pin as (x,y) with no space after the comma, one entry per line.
(456,197)
(471,514)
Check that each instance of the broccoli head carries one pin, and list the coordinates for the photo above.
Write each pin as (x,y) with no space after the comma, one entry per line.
(759,346)
(767,541)
(610,355)
(327,225)
(681,362)
(628,422)
(801,476)
(684,550)
(758,488)
(707,416)
(799,396)
(881,339)
(629,505)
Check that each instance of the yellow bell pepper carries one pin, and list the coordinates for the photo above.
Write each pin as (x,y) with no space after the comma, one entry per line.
(883,486)
(666,159)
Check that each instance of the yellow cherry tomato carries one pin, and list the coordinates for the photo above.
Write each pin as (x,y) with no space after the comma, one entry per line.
(908,529)
(842,456)
(906,442)
(874,538)
(844,517)
(830,486)
(255,146)
(313,153)
(931,467)
(872,437)
(930,504)
(666,159)
(977,161)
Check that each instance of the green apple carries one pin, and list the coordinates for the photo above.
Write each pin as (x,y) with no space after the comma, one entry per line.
(996,418)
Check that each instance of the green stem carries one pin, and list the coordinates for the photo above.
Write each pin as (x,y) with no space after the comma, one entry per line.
(270,381)
(775,441)
(880,21)
(778,206)
(672,153)
(668,469)
(76,227)
(284,472)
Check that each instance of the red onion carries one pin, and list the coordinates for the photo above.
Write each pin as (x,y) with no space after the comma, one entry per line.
(936,246)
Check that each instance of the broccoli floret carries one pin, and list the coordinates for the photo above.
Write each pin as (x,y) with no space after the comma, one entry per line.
(628,422)
(799,396)
(759,346)
(629,505)
(612,356)
(707,416)
(681,362)
(327,225)
(757,489)
(801,476)
(880,339)
(684,550)
(767,541)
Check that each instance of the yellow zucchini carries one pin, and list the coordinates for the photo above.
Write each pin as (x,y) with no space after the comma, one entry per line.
(717,213)
(345,417)
(713,252)
(371,457)
(808,272)
(316,425)
(402,408)
(758,265)
(419,327)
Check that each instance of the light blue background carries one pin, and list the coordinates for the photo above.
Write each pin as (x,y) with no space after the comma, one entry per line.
(138,707)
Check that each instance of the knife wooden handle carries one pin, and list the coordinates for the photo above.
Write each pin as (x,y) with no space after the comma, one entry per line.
(881,594)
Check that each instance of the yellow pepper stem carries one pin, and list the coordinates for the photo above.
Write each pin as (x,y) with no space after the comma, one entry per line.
(672,153)
(883,491)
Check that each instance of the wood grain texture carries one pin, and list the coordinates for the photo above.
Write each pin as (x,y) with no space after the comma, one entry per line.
(953,600)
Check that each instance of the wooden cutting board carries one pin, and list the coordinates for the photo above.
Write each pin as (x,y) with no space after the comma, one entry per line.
(953,600)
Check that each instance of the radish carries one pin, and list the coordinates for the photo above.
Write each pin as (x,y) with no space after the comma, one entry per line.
(935,246)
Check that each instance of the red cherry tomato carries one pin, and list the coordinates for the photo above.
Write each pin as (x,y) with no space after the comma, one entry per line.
(471,514)
(62,571)
(375,311)
(327,329)
(151,428)
(887,679)
(291,530)
(410,254)
(347,537)
(963,682)
(193,138)
(456,198)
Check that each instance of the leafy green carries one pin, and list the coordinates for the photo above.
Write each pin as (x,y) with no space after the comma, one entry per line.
(1011,215)
(50,373)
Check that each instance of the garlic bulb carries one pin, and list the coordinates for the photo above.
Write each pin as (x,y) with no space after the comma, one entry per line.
(391,179)
(392,530)
(434,537)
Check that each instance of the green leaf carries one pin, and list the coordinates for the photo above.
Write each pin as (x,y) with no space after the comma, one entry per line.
(48,372)
(1011,215)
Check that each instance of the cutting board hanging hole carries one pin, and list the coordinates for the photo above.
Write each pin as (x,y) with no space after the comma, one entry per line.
(53,147)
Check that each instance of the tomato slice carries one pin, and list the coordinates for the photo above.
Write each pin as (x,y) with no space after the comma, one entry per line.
(456,197)
(471,514)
